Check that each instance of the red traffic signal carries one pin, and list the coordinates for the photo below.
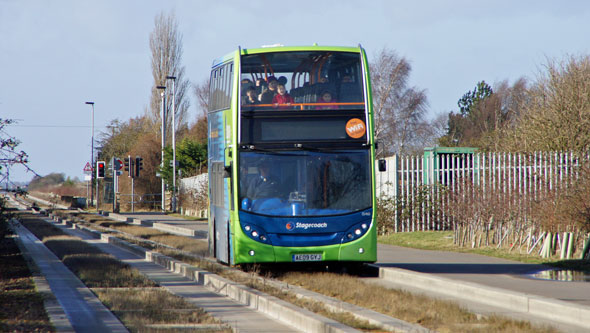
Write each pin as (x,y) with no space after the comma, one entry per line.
(100,169)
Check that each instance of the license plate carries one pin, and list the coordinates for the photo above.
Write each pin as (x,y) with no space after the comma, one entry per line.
(307,257)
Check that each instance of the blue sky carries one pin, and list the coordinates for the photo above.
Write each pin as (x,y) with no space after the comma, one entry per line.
(55,55)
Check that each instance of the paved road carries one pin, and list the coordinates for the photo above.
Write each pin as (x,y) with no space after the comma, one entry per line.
(489,271)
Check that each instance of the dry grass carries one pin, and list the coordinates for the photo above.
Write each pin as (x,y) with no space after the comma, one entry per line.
(140,308)
(21,306)
(431,313)
(123,289)
(182,243)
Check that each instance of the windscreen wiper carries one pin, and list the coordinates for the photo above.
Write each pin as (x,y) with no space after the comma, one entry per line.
(308,148)
(254,148)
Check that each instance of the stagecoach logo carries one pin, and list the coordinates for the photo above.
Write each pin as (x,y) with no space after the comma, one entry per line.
(301,225)
(355,128)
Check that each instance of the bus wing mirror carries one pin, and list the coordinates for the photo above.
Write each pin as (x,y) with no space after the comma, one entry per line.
(382,165)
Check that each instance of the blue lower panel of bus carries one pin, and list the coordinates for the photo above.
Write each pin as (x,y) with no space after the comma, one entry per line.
(306,231)
(297,240)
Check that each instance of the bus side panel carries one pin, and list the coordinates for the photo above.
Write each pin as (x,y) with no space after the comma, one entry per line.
(218,196)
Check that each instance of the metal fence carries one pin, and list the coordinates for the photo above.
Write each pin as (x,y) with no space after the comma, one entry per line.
(418,186)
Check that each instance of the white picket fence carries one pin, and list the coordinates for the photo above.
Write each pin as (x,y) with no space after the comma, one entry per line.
(416,180)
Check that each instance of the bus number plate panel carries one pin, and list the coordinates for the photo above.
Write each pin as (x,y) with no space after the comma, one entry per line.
(307,257)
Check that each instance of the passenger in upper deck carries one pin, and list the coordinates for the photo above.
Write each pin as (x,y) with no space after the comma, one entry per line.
(260,86)
(282,97)
(251,97)
(326,97)
(267,95)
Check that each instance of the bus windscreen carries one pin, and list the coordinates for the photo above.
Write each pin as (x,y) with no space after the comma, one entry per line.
(305,183)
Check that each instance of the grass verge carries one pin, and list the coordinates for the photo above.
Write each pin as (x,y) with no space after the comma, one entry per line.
(117,285)
(21,306)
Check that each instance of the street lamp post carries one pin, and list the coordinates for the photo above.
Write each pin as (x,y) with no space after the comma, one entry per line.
(92,166)
(173,78)
(163,116)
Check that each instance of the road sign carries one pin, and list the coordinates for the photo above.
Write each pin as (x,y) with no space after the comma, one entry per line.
(87,167)
(118,163)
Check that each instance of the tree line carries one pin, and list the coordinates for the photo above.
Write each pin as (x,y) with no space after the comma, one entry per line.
(548,113)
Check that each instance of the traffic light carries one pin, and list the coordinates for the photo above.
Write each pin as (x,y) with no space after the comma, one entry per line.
(100,169)
(138,165)
(129,166)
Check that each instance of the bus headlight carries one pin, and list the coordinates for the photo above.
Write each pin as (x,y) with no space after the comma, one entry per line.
(256,233)
(355,232)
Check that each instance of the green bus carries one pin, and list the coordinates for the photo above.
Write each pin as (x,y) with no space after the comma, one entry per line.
(291,155)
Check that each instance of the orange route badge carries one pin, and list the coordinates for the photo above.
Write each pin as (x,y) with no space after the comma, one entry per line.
(355,128)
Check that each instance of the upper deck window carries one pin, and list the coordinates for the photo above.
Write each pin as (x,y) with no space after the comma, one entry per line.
(220,87)
(318,80)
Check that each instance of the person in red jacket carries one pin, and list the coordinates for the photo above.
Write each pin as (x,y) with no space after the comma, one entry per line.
(282,97)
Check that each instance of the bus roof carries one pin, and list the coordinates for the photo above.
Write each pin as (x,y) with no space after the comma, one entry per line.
(273,48)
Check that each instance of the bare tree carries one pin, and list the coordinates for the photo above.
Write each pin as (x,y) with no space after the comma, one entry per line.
(557,111)
(399,110)
(10,155)
(201,92)
(166,48)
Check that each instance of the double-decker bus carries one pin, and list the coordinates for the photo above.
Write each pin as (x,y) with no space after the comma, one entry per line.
(291,151)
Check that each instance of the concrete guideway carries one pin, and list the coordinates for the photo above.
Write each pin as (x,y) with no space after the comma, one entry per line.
(163,222)
(269,305)
(239,317)
(83,311)
(272,306)
(485,284)
(243,308)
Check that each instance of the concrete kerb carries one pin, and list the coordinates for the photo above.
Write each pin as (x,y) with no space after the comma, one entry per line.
(267,304)
(270,305)
(539,306)
(175,230)
(199,276)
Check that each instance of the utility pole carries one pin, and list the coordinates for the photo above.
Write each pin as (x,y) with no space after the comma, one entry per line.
(92,177)
(163,116)
(173,78)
